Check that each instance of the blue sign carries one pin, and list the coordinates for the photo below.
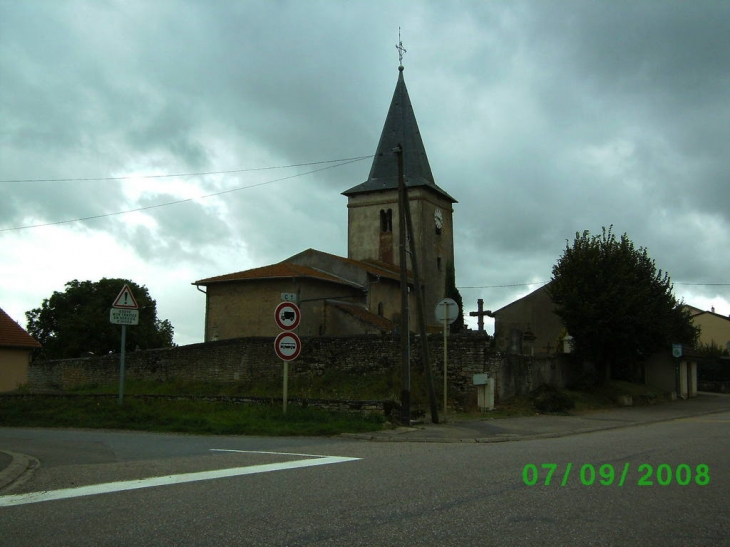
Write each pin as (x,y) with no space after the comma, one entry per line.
(677,350)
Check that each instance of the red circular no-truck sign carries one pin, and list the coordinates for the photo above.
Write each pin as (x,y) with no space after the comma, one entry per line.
(287,316)
(287,346)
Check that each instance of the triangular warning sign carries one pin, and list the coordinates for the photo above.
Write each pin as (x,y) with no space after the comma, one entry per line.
(125,300)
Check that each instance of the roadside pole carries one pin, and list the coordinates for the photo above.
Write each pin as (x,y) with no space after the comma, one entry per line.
(286,385)
(447,310)
(677,354)
(122,354)
(446,326)
(418,288)
(404,327)
(287,344)
(125,311)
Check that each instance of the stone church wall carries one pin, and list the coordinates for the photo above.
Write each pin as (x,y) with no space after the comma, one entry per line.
(251,359)
(235,309)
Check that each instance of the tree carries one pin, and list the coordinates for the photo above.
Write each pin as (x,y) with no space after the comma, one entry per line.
(76,322)
(616,305)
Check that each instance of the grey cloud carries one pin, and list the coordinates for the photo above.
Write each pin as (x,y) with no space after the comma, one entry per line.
(542,119)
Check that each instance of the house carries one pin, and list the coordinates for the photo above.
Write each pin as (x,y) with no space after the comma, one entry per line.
(714,328)
(15,353)
(674,374)
(529,325)
(359,294)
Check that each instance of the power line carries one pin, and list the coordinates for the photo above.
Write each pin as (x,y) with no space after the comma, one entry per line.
(510,285)
(358,158)
(545,282)
(352,160)
(704,284)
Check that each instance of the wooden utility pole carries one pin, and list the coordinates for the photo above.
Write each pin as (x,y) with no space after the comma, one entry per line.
(419,294)
(405,334)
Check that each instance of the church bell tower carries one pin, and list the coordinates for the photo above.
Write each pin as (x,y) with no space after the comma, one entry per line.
(373,221)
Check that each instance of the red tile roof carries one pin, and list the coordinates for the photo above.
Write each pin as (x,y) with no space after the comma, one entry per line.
(12,335)
(281,270)
(288,270)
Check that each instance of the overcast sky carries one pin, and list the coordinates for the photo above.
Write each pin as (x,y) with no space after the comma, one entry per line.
(542,118)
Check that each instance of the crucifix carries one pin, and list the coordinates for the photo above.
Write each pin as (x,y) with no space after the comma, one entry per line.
(400,48)
(480,313)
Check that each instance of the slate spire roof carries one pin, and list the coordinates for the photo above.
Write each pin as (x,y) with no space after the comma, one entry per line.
(400,128)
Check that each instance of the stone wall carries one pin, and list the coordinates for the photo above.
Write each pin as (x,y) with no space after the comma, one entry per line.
(252,359)
(716,386)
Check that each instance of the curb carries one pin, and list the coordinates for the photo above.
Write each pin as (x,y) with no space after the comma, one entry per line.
(20,464)
(402,436)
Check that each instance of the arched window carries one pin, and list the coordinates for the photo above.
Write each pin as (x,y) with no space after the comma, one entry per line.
(386,220)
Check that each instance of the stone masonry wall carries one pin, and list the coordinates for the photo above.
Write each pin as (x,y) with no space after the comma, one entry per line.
(251,359)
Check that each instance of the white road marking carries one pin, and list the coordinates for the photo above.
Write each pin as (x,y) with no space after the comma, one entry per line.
(264,452)
(120,486)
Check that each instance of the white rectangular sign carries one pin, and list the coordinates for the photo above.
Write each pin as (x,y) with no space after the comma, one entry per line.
(119,316)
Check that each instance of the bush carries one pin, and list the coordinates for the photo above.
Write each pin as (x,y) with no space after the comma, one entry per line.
(548,399)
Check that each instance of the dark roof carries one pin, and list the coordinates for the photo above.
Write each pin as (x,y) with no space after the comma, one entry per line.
(280,270)
(374,267)
(696,312)
(13,335)
(526,297)
(400,128)
(385,325)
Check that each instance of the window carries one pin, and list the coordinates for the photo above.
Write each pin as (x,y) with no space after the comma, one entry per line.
(386,220)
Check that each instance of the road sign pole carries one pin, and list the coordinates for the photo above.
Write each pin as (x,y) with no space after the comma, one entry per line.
(287,345)
(286,383)
(677,353)
(121,364)
(446,319)
(125,311)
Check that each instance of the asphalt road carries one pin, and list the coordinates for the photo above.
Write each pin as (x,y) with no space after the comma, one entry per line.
(309,492)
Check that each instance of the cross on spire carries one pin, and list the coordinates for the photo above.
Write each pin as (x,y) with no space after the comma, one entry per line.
(401,50)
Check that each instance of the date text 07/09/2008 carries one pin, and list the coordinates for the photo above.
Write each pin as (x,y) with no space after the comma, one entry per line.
(608,475)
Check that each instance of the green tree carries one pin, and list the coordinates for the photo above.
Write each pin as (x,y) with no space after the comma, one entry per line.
(75,322)
(616,305)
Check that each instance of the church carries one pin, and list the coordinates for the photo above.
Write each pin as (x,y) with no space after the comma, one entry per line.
(359,294)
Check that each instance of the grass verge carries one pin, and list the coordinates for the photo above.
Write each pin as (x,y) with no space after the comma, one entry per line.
(199,417)
(329,385)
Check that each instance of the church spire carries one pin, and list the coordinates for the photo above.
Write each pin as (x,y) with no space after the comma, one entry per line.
(400,128)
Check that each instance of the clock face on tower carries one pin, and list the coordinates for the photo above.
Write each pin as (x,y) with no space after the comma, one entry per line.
(438,220)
